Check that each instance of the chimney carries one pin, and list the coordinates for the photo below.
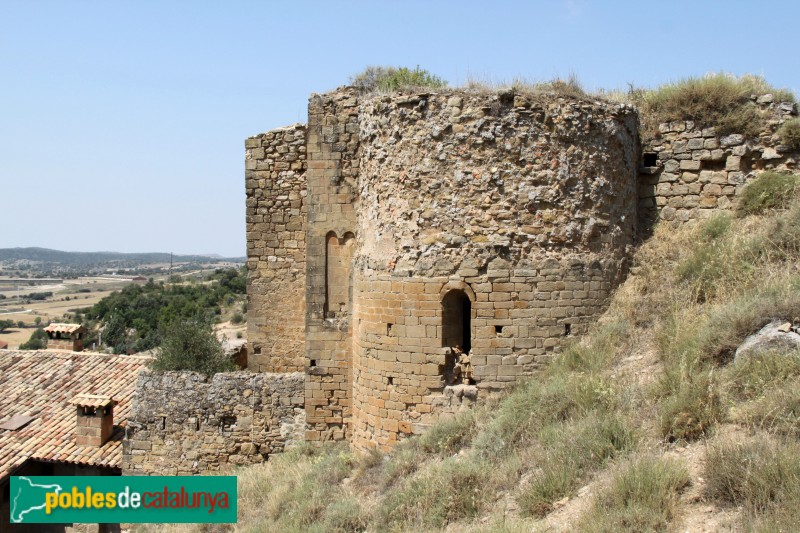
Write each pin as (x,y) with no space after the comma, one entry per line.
(95,421)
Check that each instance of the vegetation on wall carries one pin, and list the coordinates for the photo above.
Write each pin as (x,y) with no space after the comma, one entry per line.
(720,100)
(395,79)
(789,133)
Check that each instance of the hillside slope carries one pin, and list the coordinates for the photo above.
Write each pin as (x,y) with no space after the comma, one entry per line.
(647,424)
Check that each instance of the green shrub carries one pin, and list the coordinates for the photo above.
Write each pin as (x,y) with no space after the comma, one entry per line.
(755,473)
(191,346)
(719,100)
(237,318)
(389,79)
(789,132)
(641,497)
(37,341)
(770,190)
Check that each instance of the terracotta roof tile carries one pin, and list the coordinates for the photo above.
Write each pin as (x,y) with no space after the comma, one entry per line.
(40,384)
(63,328)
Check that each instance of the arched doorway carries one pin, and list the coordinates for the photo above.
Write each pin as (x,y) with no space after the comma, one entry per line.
(457,320)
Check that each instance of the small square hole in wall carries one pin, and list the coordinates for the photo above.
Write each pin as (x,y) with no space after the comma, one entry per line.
(163,422)
(257,350)
(498,330)
(567,330)
(390,380)
(389,328)
(313,362)
(650,159)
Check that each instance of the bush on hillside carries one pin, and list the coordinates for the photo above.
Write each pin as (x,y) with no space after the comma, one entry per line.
(769,190)
(191,346)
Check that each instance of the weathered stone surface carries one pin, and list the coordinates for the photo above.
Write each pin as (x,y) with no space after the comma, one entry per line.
(275,184)
(183,423)
(692,155)
(363,222)
(773,337)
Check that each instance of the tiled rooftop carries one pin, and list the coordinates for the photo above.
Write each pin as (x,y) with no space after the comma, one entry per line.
(41,384)
(63,328)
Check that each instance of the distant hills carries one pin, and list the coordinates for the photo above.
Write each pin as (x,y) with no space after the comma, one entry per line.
(47,260)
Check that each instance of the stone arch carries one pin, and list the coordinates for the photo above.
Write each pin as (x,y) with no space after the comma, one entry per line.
(457,320)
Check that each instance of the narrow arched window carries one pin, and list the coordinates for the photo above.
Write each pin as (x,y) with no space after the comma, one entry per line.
(338,268)
(457,320)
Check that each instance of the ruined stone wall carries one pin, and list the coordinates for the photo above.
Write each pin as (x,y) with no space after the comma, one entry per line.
(275,167)
(182,423)
(690,171)
(333,167)
(525,206)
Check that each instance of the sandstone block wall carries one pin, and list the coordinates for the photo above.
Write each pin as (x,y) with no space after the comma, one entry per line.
(333,166)
(182,423)
(275,167)
(690,172)
(412,252)
(525,207)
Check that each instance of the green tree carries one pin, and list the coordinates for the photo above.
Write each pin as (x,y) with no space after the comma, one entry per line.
(5,324)
(37,320)
(191,345)
(38,341)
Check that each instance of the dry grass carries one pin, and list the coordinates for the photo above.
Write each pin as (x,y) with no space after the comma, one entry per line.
(759,473)
(719,100)
(642,496)
(771,190)
(697,293)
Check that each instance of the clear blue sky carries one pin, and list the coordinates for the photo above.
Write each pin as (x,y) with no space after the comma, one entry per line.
(122,124)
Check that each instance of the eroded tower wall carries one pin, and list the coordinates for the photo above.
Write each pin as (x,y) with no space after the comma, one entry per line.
(332,173)
(275,179)
(524,206)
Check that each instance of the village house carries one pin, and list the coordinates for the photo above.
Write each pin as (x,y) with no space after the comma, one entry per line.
(62,414)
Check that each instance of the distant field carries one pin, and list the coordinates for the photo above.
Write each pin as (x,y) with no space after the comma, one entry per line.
(54,307)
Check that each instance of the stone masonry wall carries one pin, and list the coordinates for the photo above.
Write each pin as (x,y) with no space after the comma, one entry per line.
(183,424)
(690,171)
(525,206)
(275,167)
(333,166)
